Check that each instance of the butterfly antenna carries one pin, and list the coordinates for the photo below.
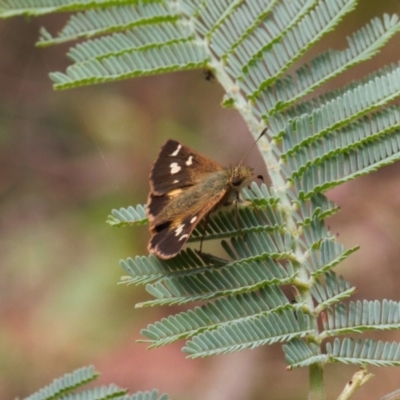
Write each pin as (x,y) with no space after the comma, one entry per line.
(252,146)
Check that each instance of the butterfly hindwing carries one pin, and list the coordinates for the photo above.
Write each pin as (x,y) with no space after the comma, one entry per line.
(178,166)
(168,237)
(167,241)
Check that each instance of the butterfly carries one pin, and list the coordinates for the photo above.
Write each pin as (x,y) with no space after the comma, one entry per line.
(185,186)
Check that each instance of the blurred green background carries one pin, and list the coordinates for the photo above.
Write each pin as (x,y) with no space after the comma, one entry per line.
(67,158)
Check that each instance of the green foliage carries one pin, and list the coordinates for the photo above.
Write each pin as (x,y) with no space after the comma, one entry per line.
(314,143)
(66,384)
(128,216)
(219,313)
(278,326)
(64,388)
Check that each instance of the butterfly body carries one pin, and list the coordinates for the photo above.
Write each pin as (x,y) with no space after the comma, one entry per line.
(184,187)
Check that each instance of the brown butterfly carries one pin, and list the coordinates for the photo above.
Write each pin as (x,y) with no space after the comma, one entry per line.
(184,187)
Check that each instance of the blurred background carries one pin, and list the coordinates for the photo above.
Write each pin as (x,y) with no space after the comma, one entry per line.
(67,158)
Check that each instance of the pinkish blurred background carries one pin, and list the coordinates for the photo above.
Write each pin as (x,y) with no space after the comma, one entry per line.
(67,158)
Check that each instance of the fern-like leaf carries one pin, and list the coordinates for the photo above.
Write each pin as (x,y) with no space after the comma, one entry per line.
(153,395)
(318,207)
(370,352)
(12,8)
(139,39)
(363,316)
(147,269)
(215,282)
(274,327)
(335,289)
(102,392)
(222,311)
(61,388)
(283,17)
(362,45)
(178,56)
(266,69)
(326,256)
(128,216)
(65,384)
(301,354)
(105,20)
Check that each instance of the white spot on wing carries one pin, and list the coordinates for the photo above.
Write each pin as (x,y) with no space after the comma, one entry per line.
(175,181)
(189,160)
(193,219)
(175,153)
(175,168)
(183,236)
(179,230)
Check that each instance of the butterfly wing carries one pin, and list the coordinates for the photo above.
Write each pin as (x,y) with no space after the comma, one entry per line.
(168,236)
(178,166)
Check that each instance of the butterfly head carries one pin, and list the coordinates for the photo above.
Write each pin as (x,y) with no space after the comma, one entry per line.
(240,177)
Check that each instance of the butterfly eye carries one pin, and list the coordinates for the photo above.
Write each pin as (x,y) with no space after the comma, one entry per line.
(236,180)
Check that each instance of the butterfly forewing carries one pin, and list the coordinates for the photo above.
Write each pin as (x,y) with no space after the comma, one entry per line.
(178,166)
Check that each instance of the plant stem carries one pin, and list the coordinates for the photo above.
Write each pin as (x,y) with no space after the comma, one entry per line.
(317,389)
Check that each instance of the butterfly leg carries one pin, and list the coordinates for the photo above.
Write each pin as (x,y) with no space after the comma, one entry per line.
(204,232)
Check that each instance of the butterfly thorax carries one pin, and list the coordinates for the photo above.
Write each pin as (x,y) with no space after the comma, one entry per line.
(207,190)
